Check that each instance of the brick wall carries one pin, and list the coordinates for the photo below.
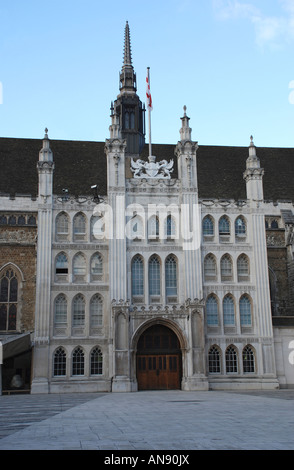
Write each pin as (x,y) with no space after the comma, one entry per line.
(18,246)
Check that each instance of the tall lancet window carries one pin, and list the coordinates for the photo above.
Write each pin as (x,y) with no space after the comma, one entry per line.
(171,277)
(137,276)
(154,276)
(8,300)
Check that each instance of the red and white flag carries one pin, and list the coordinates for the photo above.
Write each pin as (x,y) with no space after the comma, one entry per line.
(148,93)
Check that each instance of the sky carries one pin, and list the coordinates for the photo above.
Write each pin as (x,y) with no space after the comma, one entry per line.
(231,62)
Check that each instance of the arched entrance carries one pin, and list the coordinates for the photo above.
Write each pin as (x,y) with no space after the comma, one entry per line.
(159,359)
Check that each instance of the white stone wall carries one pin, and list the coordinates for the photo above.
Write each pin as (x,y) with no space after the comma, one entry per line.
(284,348)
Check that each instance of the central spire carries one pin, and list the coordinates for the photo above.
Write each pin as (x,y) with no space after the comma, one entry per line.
(127,48)
(127,76)
(127,111)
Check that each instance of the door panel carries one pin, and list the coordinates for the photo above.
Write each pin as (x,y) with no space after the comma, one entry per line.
(158,372)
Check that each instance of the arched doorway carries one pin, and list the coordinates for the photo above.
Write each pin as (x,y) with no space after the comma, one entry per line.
(159,359)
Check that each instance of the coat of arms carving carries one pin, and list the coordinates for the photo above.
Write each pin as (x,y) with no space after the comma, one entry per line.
(152,169)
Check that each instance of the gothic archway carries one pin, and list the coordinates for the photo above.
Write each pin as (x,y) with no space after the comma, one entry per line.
(159,359)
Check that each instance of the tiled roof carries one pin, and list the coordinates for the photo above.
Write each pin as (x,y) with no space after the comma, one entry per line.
(79,164)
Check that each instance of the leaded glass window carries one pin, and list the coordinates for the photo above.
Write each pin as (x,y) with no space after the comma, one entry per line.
(79,224)
(96,310)
(240,226)
(62,224)
(170,226)
(214,365)
(211,311)
(137,276)
(245,311)
(78,310)
(78,362)
(8,300)
(96,264)
(226,267)
(96,361)
(59,365)
(61,264)
(79,265)
(154,276)
(153,227)
(60,310)
(228,310)
(208,226)
(231,360)
(224,226)
(209,266)
(171,277)
(242,267)
(248,360)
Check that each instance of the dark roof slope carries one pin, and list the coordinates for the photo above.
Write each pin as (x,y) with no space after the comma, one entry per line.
(78,165)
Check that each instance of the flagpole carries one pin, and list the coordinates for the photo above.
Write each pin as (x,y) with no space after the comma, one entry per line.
(149,110)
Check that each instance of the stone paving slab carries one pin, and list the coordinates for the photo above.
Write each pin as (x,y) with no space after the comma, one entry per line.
(165,420)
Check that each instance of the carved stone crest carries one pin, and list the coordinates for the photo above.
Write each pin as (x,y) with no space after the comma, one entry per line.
(152,169)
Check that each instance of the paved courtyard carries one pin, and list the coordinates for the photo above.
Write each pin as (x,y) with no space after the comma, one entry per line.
(171,420)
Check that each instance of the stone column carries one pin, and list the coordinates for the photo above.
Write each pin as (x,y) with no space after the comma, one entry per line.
(45,167)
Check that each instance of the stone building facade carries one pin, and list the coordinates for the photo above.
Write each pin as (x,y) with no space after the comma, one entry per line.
(161,271)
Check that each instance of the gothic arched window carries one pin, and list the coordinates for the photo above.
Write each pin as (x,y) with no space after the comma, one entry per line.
(60,310)
(211,311)
(61,226)
(248,358)
(226,268)
(96,264)
(153,227)
(171,287)
(208,226)
(245,311)
(137,276)
(231,360)
(243,268)
(79,226)
(59,362)
(154,276)
(78,310)
(61,264)
(96,311)
(78,361)
(79,265)
(209,267)
(32,220)
(96,361)
(224,226)
(8,299)
(229,310)
(240,226)
(170,226)
(214,364)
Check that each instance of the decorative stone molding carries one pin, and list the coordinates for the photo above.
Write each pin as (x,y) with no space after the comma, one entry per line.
(253,173)
(115,144)
(152,169)
(45,166)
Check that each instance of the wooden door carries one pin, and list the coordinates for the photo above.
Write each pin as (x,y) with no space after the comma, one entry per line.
(158,372)
(159,360)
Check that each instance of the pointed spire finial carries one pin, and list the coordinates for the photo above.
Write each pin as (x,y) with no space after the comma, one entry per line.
(185,131)
(127,46)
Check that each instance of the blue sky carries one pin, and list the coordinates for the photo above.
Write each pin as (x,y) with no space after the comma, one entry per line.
(230,62)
